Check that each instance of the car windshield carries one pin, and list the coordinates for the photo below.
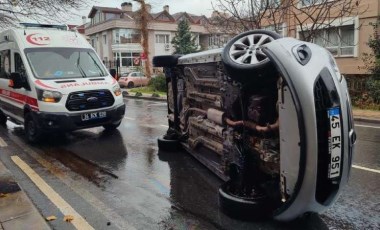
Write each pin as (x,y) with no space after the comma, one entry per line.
(59,63)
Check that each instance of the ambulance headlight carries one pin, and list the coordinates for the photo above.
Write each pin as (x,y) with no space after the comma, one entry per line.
(49,96)
(116,90)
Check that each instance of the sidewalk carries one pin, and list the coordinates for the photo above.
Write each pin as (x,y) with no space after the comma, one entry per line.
(16,209)
(359,115)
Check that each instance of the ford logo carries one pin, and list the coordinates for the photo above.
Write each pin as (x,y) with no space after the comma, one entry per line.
(92,99)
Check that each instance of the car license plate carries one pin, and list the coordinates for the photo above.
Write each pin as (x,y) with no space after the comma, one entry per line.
(93,116)
(335,142)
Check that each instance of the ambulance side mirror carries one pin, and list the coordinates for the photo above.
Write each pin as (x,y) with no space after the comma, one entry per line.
(15,81)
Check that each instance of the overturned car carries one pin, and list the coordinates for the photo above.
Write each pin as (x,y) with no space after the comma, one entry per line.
(271,116)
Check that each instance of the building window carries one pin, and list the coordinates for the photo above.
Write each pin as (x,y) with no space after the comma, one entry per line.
(162,38)
(126,36)
(311,2)
(278,28)
(340,41)
(104,38)
(126,58)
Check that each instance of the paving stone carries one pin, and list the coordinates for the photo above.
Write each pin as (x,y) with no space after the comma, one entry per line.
(31,220)
(14,205)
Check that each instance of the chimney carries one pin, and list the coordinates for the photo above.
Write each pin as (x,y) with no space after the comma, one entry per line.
(126,6)
(84,20)
(166,8)
(215,13)
(148,7)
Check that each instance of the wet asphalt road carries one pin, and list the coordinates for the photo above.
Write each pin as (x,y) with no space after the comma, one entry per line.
(120,180)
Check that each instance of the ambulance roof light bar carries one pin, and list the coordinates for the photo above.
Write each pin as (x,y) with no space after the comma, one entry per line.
(37,25)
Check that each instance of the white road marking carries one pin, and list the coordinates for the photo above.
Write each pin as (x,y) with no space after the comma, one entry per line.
(3,143)
(366,169)
(129,118)
(79,222)
(165,126)
(368,126)
(77,186)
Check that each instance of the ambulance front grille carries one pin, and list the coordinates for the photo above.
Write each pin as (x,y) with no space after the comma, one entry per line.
(86,100)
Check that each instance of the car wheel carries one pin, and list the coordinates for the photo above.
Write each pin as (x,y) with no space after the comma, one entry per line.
(168,145)
(131,84)
(253,208)
(32,131)
(112,126)
(3,118)
(165,60)
(242,56)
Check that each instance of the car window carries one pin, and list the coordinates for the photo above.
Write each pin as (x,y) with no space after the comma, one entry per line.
(133,75)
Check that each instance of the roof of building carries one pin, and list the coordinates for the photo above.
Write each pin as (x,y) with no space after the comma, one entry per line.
(159,16)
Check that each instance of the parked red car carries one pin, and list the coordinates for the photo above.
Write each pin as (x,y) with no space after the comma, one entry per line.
(133,79)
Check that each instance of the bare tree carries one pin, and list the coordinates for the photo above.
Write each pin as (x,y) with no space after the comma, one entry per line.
(307,17)
(42,11)
(142,18)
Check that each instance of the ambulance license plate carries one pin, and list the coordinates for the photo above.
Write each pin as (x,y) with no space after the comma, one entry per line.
(93,116)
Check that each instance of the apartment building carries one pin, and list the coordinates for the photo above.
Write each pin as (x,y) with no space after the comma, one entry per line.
(115,35)
(344,34)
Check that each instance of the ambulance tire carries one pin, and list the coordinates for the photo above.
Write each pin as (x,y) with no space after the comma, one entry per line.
(112,126)
(3,118)
(32,131)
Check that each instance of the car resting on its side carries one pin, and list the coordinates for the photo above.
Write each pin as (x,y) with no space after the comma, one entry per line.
(269,115)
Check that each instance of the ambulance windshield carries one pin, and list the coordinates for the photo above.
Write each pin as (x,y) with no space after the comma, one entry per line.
(63,63)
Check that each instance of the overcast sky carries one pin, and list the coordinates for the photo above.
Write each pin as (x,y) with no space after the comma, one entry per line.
(197,7)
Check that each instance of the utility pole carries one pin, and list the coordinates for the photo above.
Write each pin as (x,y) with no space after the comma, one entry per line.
(142,20)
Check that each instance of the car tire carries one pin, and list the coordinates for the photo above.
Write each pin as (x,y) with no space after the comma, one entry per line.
(242,56)
(32,131)
(3,118)
(168,145)
(131,84)
(243,208)
(165,60)
(112,126)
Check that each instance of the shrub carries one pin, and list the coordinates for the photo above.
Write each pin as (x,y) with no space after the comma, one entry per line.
(373,86)
(158,83)
(138,94)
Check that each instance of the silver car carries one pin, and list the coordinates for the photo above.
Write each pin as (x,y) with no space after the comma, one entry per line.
(271,116)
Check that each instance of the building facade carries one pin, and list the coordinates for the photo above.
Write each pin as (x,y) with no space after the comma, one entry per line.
(115,34)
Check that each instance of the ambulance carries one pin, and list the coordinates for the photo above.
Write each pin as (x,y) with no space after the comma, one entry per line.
(51,80)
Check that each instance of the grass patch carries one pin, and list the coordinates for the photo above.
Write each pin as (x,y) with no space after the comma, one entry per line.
(146,90)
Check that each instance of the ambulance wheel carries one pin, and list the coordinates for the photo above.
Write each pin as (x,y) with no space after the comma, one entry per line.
(242,56)
(112,126)
(168,145)
(245,208)
(32,131)
(3,118)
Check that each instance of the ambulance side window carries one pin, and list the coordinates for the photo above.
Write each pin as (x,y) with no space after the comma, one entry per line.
(20,68)
(19,65)
(5,64)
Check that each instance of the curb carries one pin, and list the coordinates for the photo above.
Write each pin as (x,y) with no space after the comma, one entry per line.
(16,209)
(144,97)
(367,120)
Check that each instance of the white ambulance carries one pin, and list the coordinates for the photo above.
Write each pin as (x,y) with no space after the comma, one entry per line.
(51,80)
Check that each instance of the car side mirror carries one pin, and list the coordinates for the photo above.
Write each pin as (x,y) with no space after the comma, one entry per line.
(16,81)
